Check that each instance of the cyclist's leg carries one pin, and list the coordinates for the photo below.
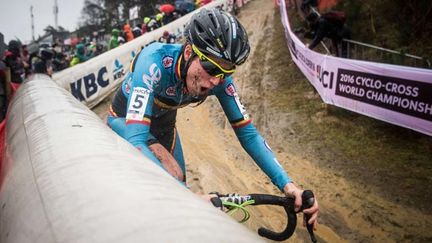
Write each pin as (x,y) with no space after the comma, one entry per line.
(165,143)
(167,160)
(118,125)
(177,152)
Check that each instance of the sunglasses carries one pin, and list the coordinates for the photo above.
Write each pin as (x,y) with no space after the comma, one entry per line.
(212,67)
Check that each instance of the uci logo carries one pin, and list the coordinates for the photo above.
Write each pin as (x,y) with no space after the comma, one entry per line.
(153,79)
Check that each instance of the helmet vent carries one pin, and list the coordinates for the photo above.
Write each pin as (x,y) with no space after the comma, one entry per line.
(213,20)
(199,28)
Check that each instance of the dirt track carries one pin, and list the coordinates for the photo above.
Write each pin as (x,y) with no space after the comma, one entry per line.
(350,211)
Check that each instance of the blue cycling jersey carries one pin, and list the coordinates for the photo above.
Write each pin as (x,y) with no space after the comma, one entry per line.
(153,88)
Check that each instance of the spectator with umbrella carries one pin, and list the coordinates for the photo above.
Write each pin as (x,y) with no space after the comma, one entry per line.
(167,10)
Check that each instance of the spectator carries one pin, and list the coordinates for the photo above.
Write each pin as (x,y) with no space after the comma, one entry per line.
(90,49)
(42,63)
(13,60)
(152,24)
(184,6)
(168,38)
(128,32)
(3,81)
(167,18)
(306,6)
(80,55)
(121,40)
(99,49)
(329,26)
(144,27)
(137,32)
(203,2)
(113,43)
(25,57)
(159,19)
(59,62)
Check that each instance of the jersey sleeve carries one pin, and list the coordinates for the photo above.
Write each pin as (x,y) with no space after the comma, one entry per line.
(146,75)
(247,134)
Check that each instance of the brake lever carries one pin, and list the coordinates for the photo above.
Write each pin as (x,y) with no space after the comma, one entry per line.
(308,200)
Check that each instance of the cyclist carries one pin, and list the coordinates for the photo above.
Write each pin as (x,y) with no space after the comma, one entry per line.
(165,77)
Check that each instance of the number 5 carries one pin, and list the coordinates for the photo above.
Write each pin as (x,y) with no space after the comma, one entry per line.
(138,102)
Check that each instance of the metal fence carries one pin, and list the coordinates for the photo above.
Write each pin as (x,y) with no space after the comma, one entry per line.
(367,52)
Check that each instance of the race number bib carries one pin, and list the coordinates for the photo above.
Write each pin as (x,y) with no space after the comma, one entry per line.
(138,104)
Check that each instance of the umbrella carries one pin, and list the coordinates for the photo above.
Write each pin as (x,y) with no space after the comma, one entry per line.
(327,4)
(167,8)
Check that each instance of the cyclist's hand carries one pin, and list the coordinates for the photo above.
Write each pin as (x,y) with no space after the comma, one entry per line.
(212,198)
(292,190)
(208,197)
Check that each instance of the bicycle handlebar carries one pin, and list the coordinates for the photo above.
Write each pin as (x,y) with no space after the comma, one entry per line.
(288,204)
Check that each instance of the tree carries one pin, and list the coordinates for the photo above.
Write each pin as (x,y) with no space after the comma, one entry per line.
(50,30)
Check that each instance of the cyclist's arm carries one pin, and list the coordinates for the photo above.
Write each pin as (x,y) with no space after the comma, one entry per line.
(145,77)
(248,135)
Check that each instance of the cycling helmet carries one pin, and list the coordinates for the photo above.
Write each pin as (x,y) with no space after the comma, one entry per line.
(220,34)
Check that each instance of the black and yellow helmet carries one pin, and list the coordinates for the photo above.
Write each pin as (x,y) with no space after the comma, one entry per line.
(220,34)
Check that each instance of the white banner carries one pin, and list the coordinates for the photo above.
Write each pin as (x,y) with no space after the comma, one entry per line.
(133,13)
(92,81)
(396,94)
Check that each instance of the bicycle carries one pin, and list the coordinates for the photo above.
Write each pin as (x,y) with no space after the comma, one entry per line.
(234,202)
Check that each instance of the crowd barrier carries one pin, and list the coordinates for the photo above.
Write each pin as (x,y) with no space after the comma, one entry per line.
(67,177)
(396,94)
(92,81)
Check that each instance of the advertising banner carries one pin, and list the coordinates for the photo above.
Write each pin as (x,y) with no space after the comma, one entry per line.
(396,94)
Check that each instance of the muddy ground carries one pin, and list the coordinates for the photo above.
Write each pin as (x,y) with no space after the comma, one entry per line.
(359,202)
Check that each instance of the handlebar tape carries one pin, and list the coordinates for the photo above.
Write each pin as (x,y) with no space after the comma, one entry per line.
(288,204)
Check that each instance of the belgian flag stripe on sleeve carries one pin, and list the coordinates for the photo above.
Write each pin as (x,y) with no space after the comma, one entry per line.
(240,123)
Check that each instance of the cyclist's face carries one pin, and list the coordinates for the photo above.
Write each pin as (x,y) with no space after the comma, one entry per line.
(198,81)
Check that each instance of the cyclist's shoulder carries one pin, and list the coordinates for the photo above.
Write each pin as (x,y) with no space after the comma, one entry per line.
(157,52)
(155,64)
(158,48)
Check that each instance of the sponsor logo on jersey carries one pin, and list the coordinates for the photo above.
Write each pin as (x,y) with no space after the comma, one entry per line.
(153,79)
(128,84)
(240,106)
(167,61)
(230,90)
(170,91)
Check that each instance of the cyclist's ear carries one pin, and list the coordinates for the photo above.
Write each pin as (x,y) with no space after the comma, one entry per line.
(187,53)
